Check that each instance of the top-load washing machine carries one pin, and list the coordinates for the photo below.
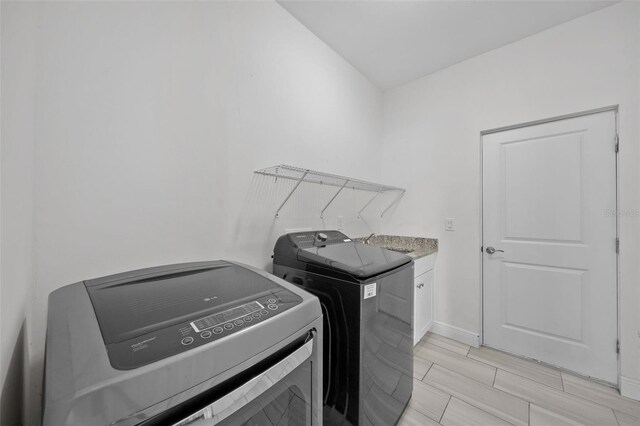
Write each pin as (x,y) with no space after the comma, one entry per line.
(191,344)
(366,294)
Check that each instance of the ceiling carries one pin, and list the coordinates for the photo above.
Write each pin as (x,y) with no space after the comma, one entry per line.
(392,42)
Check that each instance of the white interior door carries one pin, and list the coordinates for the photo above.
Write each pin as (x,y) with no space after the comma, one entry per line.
(549,196)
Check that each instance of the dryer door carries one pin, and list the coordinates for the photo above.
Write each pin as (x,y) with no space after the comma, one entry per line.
(279,394)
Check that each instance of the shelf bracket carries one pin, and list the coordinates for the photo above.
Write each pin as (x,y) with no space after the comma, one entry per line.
(333,198)
(299,175)
(291,193)
(368,202)
(395,200)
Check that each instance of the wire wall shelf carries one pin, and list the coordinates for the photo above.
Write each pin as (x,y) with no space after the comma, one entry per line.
(300,175)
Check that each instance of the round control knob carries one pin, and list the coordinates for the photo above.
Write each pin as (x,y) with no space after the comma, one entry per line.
(271,301)
(322,236)
(238,322)
(273,307)
(228,326)
(205,334)
(256,315)
(247,319)
(187,340)
(217,330)
(265,312)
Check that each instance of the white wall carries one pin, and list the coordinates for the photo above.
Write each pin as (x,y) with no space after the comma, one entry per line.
(149,121)
(16,203)
(432,127)
(131,130)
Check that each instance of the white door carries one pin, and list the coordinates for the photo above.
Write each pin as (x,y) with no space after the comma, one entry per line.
(549,196)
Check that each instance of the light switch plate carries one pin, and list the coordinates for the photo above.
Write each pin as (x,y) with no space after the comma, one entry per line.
(449,224)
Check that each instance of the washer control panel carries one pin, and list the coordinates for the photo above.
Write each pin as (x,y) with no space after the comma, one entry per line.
(235,316)
(226,322)
(200,331)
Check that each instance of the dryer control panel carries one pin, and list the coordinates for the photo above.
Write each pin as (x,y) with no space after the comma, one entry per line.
(303,240)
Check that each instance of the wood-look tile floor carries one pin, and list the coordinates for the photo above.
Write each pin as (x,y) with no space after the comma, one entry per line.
(455,384)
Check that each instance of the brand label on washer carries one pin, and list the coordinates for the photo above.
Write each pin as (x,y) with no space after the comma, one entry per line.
(369,290)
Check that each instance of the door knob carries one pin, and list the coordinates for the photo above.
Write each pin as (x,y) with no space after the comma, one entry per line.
(491,250)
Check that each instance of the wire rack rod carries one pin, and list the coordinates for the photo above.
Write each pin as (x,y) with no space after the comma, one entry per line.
(295,173)
(300,175)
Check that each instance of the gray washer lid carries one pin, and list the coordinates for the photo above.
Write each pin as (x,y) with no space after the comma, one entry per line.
(359,260)
(139,302)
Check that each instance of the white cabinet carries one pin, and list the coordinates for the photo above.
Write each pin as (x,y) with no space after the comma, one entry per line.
(422,296)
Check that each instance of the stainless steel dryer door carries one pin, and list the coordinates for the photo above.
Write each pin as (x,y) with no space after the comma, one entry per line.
(280,390)
(276,396)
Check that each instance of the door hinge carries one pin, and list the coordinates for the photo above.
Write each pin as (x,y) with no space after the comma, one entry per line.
(617,245)
(618,346)
(617,145)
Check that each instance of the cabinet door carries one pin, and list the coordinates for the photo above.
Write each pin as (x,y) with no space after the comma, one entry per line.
(423,308)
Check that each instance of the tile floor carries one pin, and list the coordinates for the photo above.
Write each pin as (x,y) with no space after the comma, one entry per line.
(455,384)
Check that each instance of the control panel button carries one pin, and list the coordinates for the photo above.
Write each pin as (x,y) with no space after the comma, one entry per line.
(247,319)
(217,330)
(265,312)
(273,307)
(187,340)
(205,334)
(271,301)
(228,326)
(256,315)
(238,322)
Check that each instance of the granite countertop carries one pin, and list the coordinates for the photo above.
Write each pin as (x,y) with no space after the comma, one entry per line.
(415,247)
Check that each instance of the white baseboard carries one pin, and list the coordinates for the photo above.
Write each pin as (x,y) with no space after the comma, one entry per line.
(630,387)
(455,333)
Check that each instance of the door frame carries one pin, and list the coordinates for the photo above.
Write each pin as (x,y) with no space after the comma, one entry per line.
(611,108)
